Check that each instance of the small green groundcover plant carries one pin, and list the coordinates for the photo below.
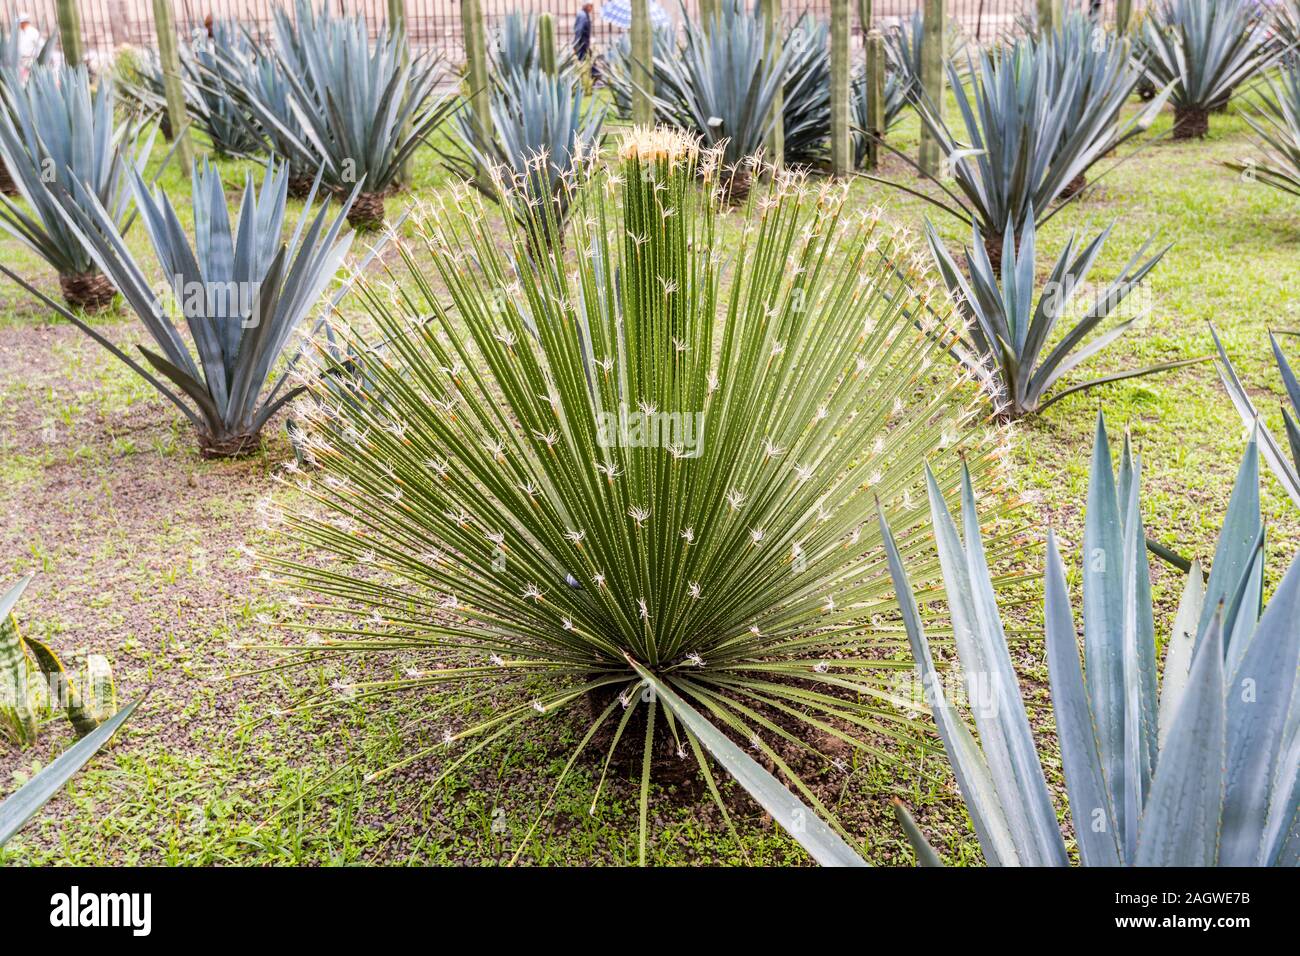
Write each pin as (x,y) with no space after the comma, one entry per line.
(32,681)
(635,481)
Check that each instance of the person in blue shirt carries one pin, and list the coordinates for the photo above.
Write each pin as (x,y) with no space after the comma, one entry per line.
(582,36)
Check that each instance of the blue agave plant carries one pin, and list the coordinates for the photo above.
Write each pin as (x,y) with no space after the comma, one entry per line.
(56,133)
(242,288)
(542,128)
(1286,471)
(1196,769)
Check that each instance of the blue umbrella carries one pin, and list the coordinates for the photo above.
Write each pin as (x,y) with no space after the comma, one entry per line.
(619,13)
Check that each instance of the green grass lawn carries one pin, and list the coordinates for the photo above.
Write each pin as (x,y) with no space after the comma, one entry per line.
(141,551)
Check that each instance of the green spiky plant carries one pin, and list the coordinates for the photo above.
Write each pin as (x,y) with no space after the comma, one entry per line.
(1204,50)
(56,134)
(1024,138)
(1275,118)
(1008,327)
(544,131)
(721,84)
(498,511)
(364,106)
(242,290)
(94,719)
(33,682)
(1204,773)
(1286,472)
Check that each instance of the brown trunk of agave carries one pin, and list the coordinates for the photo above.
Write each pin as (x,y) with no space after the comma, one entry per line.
(1191,122)
(7,184)
(735,184)
(87,291)
(1073,187)
(367,212)
(993,246)
(228,446)
(300,186)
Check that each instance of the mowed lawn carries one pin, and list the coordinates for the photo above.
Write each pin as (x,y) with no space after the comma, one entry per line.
(143,551)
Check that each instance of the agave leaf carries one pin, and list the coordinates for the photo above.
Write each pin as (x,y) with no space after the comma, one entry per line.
(19,808)
(10,599)
(1243,608)
(1012,720)
(1103,619)
(53,122)
(925,855)
(822,843)
(1181,824)
(1140,636)
(1277,462)
(1095,826)
(964,756)
(1281,845)
(1118,377)
(1234,555)
(1178,651)
(1260,697)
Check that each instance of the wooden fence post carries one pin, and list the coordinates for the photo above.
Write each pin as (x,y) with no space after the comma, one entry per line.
(933,54)
(546,43)
(70,31)
(875,96)
(477,81)
(1046,16)
(170,60)
(643,77)
(397,27)
(708,10)
(841,142)
(775,44)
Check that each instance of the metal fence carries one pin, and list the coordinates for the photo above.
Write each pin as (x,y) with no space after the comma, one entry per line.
(110,24)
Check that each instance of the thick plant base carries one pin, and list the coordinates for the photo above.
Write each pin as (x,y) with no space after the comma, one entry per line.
(88,291)
(1191,123)
(993,246)
(300,186)
(1073,187)
(735,184)
(228,446)
(367,212)
(670,768)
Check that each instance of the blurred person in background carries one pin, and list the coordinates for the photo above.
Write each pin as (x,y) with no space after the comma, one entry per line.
(582,39)
(29,43)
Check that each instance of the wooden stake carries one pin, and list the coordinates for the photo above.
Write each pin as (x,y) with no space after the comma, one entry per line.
(170,59)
